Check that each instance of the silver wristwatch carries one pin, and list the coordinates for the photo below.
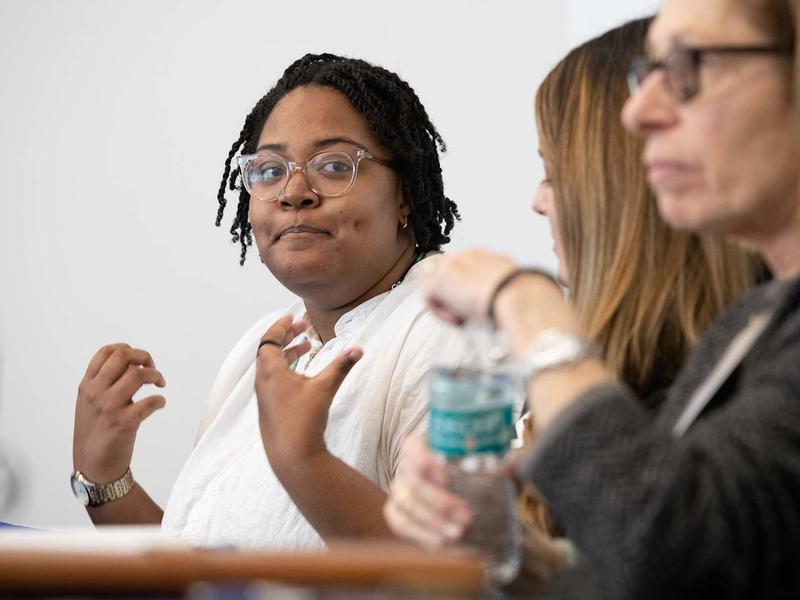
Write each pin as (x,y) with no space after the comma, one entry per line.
(94,494)
(556,349)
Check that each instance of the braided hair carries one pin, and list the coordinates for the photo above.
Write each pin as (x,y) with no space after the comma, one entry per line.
(395,116)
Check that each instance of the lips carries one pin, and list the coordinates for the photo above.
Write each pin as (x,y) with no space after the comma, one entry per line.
(301,229)
(665,172)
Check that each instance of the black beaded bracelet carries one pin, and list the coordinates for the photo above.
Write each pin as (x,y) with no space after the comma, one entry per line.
(507,280)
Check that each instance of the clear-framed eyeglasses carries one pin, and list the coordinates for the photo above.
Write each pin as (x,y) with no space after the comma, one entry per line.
(265,175)
(682,67)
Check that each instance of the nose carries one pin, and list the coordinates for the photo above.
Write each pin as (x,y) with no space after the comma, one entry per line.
(651,108)
(540,199)
(298,193)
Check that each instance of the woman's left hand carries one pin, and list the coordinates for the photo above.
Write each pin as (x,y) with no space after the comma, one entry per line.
(292,408)
(460,289)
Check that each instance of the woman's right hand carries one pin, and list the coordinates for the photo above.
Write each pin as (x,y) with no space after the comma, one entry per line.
(460,286)
(419,507)
(106,417)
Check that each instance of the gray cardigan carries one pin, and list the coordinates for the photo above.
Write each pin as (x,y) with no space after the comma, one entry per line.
(714,513)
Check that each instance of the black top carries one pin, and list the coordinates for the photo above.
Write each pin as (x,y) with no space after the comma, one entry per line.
(714,513)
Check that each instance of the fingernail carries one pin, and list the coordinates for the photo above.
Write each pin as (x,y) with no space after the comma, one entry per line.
(452,531)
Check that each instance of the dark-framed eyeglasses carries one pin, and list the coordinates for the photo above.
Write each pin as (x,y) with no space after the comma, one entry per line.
(330,173)
(682,67)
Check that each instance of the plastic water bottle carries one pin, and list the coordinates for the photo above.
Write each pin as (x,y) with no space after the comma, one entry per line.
(471,426)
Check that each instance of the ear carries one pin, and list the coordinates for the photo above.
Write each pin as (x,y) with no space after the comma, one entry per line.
(404,216)
(406,228)
(403,209)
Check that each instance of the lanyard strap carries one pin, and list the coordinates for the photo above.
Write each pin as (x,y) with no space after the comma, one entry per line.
(732,357)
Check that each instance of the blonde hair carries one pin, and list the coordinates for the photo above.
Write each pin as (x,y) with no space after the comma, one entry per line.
(644,292)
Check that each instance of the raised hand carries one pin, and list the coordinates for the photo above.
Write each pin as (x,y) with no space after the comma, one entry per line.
(106,417)
(293,409)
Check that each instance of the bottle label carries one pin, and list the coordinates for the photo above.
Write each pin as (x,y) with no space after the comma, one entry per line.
(465,432)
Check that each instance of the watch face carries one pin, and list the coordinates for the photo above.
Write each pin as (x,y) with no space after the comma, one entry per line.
(79,490)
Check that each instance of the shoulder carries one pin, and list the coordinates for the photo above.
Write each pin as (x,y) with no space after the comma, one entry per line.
(779,350)
(780,298)
(719,335)
(408,339)
(409,323)
(739,311)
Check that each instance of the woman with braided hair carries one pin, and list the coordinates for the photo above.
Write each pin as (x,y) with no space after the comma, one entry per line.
(339,182)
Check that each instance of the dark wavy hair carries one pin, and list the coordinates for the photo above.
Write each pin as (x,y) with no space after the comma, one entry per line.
(395,116)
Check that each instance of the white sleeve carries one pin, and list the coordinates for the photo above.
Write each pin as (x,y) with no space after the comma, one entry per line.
(428,340)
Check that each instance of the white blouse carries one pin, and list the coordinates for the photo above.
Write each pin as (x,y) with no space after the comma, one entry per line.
(227,493)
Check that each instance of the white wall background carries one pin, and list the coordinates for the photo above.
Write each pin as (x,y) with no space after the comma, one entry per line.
(587,18)
(115,118)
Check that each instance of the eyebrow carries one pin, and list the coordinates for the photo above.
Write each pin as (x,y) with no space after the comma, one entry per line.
(318,145)
(681,39)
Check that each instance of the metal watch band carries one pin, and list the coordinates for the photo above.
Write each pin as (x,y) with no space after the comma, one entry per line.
(557,349)
(107,492)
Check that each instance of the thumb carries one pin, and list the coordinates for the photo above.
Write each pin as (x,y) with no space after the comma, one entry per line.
(147,406)
(332,376)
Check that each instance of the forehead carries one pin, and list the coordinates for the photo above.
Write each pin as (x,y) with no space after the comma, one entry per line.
(311,113)
(696,22)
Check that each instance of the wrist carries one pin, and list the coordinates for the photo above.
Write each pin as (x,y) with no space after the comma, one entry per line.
(101,472)
(509,280)
(94,494)
(528,305)
(303,475)
(552,392)
(291,465)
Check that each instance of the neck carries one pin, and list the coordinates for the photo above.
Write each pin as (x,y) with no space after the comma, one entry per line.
(782,253)
(780,249)
(324,318)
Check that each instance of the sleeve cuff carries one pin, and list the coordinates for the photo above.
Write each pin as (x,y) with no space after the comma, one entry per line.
(590,400)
